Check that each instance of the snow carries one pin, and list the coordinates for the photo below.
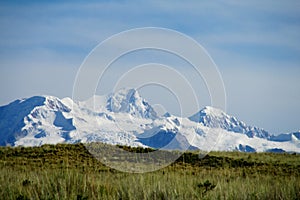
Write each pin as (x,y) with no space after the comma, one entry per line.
(125,118)
(216,118)
(130,101)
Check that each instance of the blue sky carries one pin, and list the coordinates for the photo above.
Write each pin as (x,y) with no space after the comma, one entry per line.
(255,44)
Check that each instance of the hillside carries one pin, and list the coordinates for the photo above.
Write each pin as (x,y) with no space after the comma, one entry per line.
(67,171)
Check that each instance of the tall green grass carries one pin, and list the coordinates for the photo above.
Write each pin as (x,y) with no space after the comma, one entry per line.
(70,172)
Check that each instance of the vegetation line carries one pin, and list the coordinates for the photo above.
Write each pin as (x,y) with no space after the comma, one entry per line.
(66,171)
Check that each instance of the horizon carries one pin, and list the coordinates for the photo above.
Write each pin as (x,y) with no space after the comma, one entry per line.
(158,112)
(255,46)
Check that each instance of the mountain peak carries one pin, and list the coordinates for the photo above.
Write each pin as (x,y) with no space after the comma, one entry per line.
(12,117)
(48,120)
(208,110)
(128,100)
(216,118)
(167,114)
(55,104)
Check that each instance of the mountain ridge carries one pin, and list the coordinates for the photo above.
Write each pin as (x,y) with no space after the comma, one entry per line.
(216,118)
(125,118)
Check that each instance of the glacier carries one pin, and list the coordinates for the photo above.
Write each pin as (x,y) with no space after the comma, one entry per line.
(126,118)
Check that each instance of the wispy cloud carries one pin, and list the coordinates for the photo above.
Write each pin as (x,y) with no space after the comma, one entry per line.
(39,38)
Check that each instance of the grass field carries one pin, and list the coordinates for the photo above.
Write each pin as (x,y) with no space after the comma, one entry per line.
(70,172)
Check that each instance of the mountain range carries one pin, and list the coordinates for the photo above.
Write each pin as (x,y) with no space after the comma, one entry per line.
(125,118)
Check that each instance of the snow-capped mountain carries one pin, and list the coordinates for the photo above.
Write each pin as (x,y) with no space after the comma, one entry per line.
(286,137)
(130,101)
(125,118)
(216,118)
(39,117)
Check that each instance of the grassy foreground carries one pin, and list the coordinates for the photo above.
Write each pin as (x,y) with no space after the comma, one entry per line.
(70,172)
